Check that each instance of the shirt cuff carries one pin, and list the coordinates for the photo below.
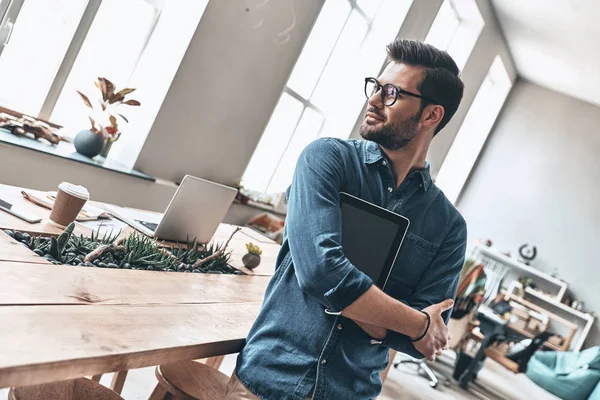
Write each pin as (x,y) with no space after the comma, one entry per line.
(402,344)
(348,290)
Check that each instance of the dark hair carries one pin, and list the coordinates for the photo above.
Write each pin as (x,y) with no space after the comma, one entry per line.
(441,81)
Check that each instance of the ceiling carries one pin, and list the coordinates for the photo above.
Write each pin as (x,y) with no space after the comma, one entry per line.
(555,43)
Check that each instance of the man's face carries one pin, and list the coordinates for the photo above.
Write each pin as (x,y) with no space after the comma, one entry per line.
(393,127)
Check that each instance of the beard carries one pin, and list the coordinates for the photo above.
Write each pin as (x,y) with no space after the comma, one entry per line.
(392,136)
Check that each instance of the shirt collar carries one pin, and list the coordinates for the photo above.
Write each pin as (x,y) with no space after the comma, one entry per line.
(373,154)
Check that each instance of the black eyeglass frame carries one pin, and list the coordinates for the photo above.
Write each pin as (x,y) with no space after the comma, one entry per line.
(382,89)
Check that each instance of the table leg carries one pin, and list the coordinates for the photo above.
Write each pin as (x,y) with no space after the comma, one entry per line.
(118,381)
(214,362)
(384,373)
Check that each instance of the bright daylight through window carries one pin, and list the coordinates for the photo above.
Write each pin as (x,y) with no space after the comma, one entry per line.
(474,131)
(324,94)
(456,29)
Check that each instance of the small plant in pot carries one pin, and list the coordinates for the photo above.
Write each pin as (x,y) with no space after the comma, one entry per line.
(252,258)
(104,129)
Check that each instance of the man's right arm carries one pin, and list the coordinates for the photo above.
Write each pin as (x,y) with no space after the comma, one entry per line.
(313,227)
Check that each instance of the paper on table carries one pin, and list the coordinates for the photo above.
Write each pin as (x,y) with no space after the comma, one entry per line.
(105,226)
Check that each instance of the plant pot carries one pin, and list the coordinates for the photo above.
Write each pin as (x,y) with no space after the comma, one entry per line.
(88,143)
(251,261)
(106,148)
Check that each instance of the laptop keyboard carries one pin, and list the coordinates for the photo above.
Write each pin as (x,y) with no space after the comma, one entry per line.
(150,225)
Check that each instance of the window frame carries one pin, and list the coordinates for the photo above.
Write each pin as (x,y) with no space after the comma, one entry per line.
(306,102)
(11,13)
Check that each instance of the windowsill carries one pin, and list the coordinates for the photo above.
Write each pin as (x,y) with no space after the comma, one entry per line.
(67,151)
(260,206)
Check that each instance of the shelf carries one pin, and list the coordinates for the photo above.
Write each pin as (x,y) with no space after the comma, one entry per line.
(502,258)
(531,336)
(558,304)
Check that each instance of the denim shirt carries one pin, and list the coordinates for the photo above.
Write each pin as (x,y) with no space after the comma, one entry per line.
(294,348)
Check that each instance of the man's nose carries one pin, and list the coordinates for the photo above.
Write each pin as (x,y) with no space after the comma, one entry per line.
(375,100)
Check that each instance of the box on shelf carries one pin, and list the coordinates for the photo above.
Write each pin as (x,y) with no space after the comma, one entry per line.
(269,225)
(556,340)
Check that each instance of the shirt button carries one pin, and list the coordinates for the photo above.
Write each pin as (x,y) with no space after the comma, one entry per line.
(384,163)
(323,362)
(339,326)
(390,189)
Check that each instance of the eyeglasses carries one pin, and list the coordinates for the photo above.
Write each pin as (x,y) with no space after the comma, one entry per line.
(389,92)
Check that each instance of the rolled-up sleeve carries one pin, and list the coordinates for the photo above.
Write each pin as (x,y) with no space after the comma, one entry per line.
(439,282)
(314,226)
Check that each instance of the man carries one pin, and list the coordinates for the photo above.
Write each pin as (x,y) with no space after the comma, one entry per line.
(296,350)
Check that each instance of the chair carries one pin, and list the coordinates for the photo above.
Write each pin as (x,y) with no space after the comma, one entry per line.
(189,380)
(568,375)
(425,369)
(76,389)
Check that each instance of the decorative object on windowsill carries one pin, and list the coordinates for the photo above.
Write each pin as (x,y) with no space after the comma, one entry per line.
(252,259)
(527,253)
(103,119)
(26,126)
(135,251)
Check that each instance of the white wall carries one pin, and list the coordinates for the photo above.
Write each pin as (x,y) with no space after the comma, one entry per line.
(536,181)
(31,169)
(226,89)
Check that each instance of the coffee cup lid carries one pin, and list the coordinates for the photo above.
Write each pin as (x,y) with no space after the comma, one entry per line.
(75,190)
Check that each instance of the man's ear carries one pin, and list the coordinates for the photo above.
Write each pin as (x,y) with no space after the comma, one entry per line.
(432,115)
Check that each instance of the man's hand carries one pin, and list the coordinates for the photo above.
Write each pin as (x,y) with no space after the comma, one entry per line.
(375,332)
(437,335)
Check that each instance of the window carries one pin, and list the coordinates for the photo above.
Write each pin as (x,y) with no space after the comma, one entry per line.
(474,131)
(324,94)
(41,33)
(456,29)
(112,48)
(54,47)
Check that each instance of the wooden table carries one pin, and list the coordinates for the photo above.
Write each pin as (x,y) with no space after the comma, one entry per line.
(62,322)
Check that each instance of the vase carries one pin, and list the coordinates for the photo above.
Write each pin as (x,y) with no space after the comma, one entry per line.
(251,261)
(88,143)
(106,148)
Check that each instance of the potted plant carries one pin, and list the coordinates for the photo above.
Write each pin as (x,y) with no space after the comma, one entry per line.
(252,258)
(104,129)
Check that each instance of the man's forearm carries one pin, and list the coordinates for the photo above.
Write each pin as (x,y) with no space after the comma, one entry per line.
(378,309)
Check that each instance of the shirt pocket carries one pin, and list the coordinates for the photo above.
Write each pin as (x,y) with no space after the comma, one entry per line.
(413,259)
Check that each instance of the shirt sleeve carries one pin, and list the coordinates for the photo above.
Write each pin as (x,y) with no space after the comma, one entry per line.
(439,282)
(314,226)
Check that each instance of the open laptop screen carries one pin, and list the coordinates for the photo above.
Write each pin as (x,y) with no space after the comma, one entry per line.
(371,237)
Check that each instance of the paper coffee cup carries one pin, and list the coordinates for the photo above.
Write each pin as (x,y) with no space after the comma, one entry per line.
(69,201)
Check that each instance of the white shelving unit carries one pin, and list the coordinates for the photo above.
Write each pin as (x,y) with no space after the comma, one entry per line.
(583,320)
(555,283)
(556,287)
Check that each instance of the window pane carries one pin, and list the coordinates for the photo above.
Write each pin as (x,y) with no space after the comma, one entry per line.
(111,50)
(369,6)
(41,35)
(318,47)
(337,75)
(347,103)
(444,26)
(272,143)
(474,131)
(307,131)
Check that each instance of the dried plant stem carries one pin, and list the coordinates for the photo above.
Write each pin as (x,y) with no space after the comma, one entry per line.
(100,250)
(216,254)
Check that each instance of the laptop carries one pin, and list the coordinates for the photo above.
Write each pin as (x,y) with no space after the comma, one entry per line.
(194,212)
(371,237)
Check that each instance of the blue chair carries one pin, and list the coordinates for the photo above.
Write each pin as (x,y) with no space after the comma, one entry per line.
(568,375)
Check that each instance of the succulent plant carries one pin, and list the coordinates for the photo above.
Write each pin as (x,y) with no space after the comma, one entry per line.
(253,249)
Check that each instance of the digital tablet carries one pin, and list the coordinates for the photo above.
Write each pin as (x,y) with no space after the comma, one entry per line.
(371,237)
